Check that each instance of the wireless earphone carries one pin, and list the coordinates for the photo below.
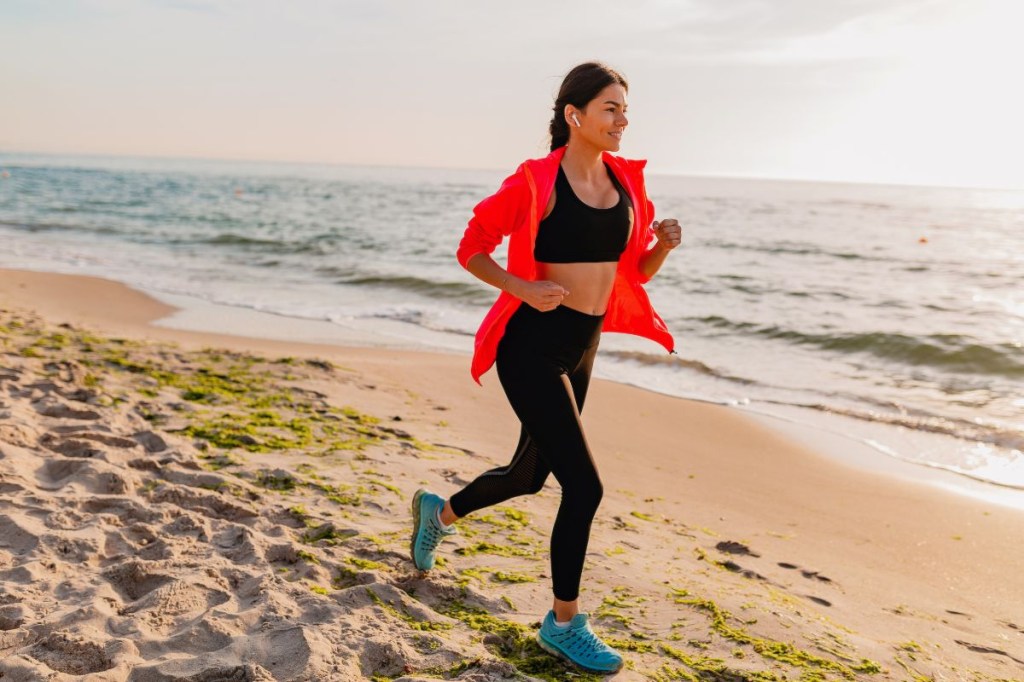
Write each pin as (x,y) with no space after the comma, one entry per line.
(575,120)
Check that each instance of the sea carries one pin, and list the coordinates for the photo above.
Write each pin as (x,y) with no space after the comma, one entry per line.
(889,315)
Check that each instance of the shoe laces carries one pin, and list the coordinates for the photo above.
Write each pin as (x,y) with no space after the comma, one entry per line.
(583,641)
(433,535)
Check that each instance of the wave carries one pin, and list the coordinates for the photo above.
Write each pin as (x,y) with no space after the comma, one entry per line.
(35,227)
(988,434)
(950,352)
(794,250)
(435,289)
(231,239)
(419,318)
(999,436)
(228,239)
(666,359)
(903,263)
(874,205)
(944,467)
(315,246)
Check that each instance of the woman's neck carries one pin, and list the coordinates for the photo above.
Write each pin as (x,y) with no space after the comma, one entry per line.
(583,161)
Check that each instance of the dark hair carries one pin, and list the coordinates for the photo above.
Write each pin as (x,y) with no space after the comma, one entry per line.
(580,85)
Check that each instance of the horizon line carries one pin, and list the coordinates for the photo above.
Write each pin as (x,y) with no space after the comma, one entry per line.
(349,164)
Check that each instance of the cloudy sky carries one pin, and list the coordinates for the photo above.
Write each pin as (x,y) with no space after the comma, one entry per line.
(905,91)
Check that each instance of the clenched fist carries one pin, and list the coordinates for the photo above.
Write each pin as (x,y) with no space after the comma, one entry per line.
(543,295)
(668,232)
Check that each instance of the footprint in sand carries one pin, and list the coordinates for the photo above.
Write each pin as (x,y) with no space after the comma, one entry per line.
(810,575)
(738,548)
(10,623)
(736,568)
(70,447)
(166,607)
(9,374)
(58,473)
(733,547)
(210,504)
(237,544)
(62,411)
(69,549)
(125,509)
(816,576)
(14,538)
(978,648)
(133,582)
(150,441)
(110,440)
(452,476)
(202,637)
(64,429)
(71,655)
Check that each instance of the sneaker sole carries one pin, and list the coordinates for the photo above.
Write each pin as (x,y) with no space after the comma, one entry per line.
(415,525)
(554,651)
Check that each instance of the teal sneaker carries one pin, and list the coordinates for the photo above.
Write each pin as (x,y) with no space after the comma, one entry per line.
(578,644)
(427,531)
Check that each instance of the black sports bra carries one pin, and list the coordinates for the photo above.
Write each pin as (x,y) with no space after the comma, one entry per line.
(577,233)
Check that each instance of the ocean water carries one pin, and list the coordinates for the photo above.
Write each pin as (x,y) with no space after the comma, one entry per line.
(893,314)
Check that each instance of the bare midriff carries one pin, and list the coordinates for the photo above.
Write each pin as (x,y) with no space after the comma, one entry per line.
(589,284)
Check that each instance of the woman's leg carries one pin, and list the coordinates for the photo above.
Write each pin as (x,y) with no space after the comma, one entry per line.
(544,399)
(580,382)
(524,475)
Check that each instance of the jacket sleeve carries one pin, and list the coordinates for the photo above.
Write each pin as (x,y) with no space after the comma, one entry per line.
(646,235)
(495,218)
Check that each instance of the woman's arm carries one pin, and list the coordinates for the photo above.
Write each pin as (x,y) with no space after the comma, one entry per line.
(669,235)
(542,295)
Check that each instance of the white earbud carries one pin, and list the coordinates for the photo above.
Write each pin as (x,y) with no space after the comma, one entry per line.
(575,120)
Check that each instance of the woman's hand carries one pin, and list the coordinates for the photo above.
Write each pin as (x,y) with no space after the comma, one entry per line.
(543,295)
(669,235)
(668,232)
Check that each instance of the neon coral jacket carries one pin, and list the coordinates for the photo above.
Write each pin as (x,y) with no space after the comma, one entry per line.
(515,210)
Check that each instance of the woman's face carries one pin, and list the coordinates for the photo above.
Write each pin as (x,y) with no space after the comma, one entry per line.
(603,119)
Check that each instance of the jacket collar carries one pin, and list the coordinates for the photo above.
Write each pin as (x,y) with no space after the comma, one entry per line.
(545,169)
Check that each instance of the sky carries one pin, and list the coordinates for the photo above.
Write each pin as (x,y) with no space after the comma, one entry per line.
(886,91)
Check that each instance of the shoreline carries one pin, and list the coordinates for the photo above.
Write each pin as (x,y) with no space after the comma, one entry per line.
(174,313)
(718,539)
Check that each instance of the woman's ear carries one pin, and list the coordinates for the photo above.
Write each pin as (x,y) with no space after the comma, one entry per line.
(571,116)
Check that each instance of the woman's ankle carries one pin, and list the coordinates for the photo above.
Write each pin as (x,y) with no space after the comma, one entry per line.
(565,610)
(448,517)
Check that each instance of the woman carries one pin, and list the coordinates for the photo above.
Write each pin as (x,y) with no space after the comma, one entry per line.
(580,231)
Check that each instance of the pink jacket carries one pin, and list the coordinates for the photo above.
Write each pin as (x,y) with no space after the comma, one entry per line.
(515,210)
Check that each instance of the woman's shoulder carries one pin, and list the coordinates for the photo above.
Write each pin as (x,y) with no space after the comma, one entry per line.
(548,163)
(621,162)
(533,172)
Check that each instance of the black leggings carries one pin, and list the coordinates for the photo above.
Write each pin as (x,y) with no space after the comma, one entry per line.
(544,363)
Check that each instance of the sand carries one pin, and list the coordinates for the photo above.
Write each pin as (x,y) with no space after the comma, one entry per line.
(187,506)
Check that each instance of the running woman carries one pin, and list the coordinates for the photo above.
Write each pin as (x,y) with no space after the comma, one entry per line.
(582,242)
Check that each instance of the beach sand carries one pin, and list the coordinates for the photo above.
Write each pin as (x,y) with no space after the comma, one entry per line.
(186,506)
